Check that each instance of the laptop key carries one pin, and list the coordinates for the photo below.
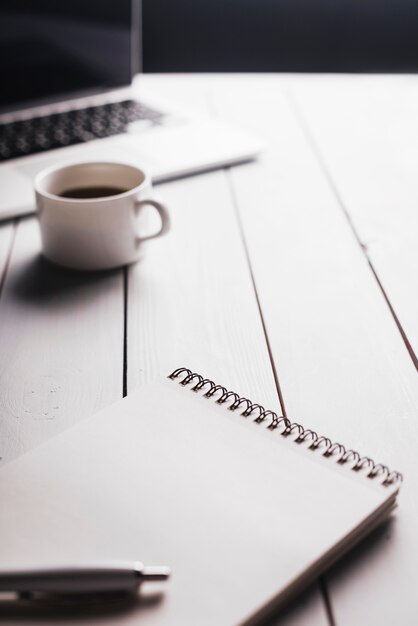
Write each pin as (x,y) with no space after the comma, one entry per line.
(38,134)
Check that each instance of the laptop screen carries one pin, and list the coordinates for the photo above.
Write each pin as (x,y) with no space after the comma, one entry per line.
(51,50)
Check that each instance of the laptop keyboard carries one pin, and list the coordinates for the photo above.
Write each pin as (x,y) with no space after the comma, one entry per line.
(24,137)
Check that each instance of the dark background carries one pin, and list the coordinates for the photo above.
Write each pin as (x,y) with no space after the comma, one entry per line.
(280,35)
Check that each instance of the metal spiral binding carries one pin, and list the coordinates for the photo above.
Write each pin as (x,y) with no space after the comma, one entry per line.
(288,428)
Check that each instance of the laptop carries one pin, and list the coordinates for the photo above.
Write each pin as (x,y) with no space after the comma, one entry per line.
(71,92)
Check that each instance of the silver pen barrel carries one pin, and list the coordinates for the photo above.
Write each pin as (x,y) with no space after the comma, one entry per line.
(113,577)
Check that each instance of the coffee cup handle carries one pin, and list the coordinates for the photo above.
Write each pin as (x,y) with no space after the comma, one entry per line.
(163,213)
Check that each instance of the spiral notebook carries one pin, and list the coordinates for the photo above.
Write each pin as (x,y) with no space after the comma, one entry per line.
(245,506)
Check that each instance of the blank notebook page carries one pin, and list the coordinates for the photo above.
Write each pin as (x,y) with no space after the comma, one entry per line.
(168,477)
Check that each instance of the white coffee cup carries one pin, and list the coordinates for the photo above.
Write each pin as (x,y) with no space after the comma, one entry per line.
(94,233)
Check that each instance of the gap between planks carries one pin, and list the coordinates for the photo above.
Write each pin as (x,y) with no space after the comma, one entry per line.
(7,232)
(314,146)
(376,392)
(322,586)
(260,310)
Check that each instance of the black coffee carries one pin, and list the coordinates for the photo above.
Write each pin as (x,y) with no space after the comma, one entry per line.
(91,192)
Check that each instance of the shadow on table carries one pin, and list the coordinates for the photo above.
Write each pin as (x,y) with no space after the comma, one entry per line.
(42,612)
(345,568)
(54,614)
(38,281)
(371,547)
(296,611)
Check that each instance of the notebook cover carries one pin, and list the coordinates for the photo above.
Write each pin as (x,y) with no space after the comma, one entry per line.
(166,476)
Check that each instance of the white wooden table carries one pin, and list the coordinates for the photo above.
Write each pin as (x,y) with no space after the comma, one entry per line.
(294,277)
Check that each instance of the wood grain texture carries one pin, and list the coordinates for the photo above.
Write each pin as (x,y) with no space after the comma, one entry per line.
(342,363)
(191,299)
(61,338)
(367,134)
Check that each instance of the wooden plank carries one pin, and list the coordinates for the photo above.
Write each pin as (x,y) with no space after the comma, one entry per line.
(341,361)
(191,299)
(61,337)
(192,302)
(366,132)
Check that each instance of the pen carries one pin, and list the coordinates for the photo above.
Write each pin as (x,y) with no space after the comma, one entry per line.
(107,577)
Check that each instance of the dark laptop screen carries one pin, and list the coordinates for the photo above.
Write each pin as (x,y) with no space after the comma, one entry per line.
(53,49)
